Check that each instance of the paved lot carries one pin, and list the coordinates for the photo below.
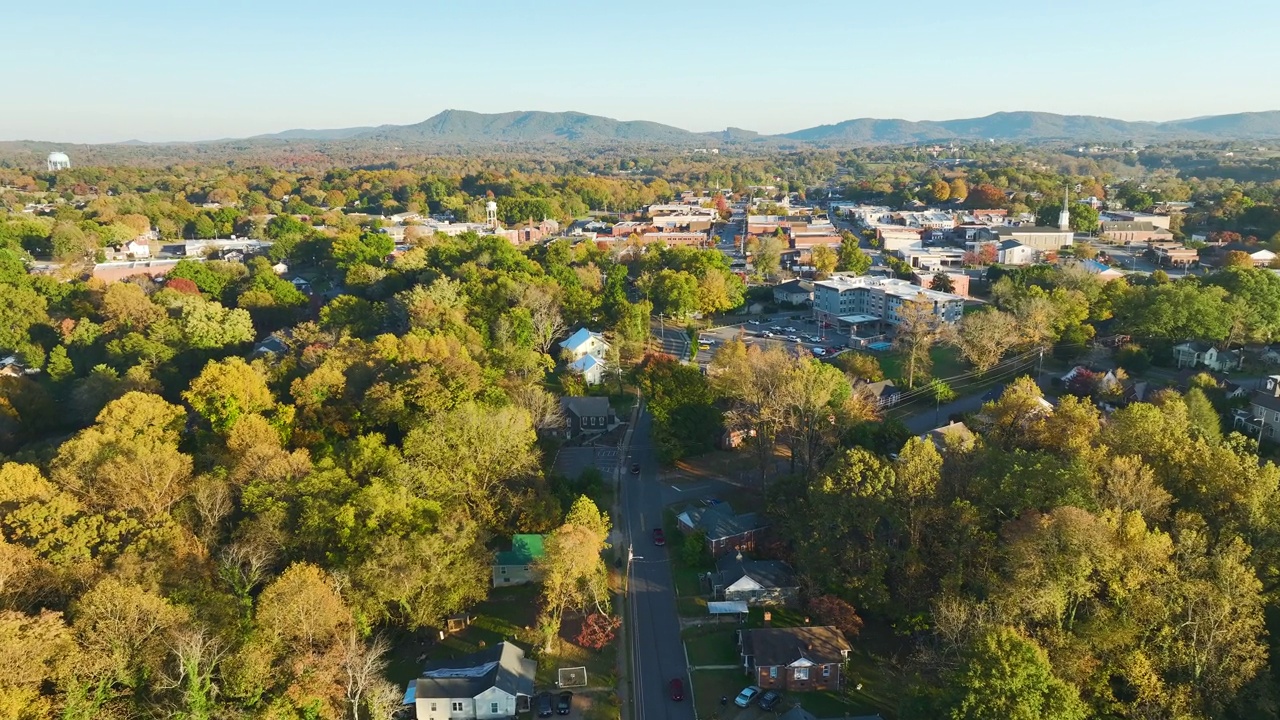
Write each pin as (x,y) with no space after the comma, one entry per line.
(573,460)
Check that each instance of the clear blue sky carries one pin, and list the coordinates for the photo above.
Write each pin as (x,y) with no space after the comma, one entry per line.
(94,71)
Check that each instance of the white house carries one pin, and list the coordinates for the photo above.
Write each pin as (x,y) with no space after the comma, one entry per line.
(590,367)
(496,682)
(584,342)
(1012,252)
(1199,354)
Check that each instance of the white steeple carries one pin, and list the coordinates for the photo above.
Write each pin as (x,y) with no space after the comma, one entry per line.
(1064,217)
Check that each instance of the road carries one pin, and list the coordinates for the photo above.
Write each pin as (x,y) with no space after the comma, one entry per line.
(653,632)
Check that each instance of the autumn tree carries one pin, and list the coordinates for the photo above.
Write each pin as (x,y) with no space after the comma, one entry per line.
(919,330)
(985,336)
(227,389)
(824,261)
(574,576)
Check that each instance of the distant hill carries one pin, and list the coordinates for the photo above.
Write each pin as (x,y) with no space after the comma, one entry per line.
(1028,126)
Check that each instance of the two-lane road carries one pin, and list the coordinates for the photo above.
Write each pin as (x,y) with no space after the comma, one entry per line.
(657,655)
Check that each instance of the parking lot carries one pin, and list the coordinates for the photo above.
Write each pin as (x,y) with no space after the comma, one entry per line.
(571,461)
(786,330)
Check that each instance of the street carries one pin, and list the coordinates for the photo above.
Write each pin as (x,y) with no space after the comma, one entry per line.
(656,653)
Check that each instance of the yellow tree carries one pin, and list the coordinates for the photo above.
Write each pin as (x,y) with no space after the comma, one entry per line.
(574,576)
(919,329)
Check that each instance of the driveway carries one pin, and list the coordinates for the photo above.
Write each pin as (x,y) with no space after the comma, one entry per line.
(656,654)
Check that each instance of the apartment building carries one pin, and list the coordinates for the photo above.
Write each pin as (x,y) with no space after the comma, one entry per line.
(849,301)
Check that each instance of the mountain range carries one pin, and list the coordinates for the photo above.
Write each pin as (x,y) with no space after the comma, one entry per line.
(464,127)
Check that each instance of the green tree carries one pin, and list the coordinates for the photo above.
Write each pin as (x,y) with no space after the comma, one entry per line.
(824,260)
(852,259)
(227,389)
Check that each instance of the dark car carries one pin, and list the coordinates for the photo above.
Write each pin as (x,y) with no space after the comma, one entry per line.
(545,709)
(677,689)
(635,468)
(564,703)
(769,700)
(659,538)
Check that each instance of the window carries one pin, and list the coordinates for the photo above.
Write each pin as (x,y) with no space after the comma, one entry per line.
(773,672)
(457,707)
(826,671)
(493,708)
(802,673)
(433,707)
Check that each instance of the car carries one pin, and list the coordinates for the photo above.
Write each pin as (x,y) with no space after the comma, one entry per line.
(677,689)
(769,699)
(776,328)
(815,339)
(659,538)
(819,351)
(544,705)
(790,329)
(766,334)
(746,696)
(793,338)
(753,322)
(635,468)
(564,703)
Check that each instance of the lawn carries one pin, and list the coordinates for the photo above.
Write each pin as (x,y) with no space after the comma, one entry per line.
(690,601)
(711,646)
(946,363)
(711,685)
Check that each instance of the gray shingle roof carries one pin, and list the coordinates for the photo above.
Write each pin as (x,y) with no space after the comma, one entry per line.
(502,666)
(783,646)
(768,573)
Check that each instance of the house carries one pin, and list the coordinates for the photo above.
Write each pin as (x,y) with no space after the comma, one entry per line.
(1102,271)
(516,566)
(274,344)
(584,342)
(795,659)
(280,268)
(725,530)
(883,393)
(1262,419)
(302,284)
(1012,252)
(587,415)
(953,433)
(759,583)
(590,367)
(496,682)
(795,292)
(1260,256)
(1199,354)
(12,366)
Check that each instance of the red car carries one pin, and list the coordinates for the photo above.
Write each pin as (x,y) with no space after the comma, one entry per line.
(677,689)
(659,538)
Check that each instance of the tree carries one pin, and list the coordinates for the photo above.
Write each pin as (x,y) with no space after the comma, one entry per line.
(598,630)
(23,309)
(675,293)
(940,191)
(1205,421)
(209,325)
(831,610)
(986,195)
(227,389)
(942,283)
(33,651)
(985,336)
(1005,676)
(574,576)
(959,189)
(1237,259)
(1084,218)
(919,329)
(129,460)
(126,305)
(824,261)
(766,255)
(852,259)
(860,366)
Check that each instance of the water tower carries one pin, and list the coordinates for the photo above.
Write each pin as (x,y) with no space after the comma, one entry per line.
(491,214)
(58,161)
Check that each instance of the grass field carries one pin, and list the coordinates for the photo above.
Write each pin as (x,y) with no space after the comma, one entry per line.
(946,363)
(711,646)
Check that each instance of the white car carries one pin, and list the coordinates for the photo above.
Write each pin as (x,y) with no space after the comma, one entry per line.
(753,322)
(746,696)
(819,352)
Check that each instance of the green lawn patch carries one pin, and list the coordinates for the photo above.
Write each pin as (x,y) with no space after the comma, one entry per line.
(946,363)
(710,685)
(711,646)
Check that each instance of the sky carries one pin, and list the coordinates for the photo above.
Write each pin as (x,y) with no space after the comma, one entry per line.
(93,71)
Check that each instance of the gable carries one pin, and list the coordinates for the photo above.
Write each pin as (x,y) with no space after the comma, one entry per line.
(802,663)
(744,584)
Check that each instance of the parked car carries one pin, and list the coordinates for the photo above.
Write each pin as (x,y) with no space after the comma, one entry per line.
(819,351)
(564,703)
(753,322)
(766,334)
(659,538)
(814,338)
(769,699)
(677,689)
(746,696)
(545,709)
(791,329)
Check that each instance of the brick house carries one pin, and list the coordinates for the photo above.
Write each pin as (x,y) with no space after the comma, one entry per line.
(726,531)
(794,659)
(587,416)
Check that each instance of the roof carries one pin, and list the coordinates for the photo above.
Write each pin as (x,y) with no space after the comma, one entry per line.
(783,646)
(951,430)
(727,607)
(585,406)
(878,390)
(719,521)
(580,338)
(1010,244)
(1264,399)
(1030,230)
(585,363)
(797,713)
(794,286)
(502,666)
(524,550)
(767,573)
(1194,346)
(1122,225)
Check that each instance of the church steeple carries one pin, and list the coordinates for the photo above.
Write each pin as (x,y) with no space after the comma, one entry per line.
(1064,217)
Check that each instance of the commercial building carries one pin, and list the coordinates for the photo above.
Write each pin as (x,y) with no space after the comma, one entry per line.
(853,301)
(1130,232)
(1160,221)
